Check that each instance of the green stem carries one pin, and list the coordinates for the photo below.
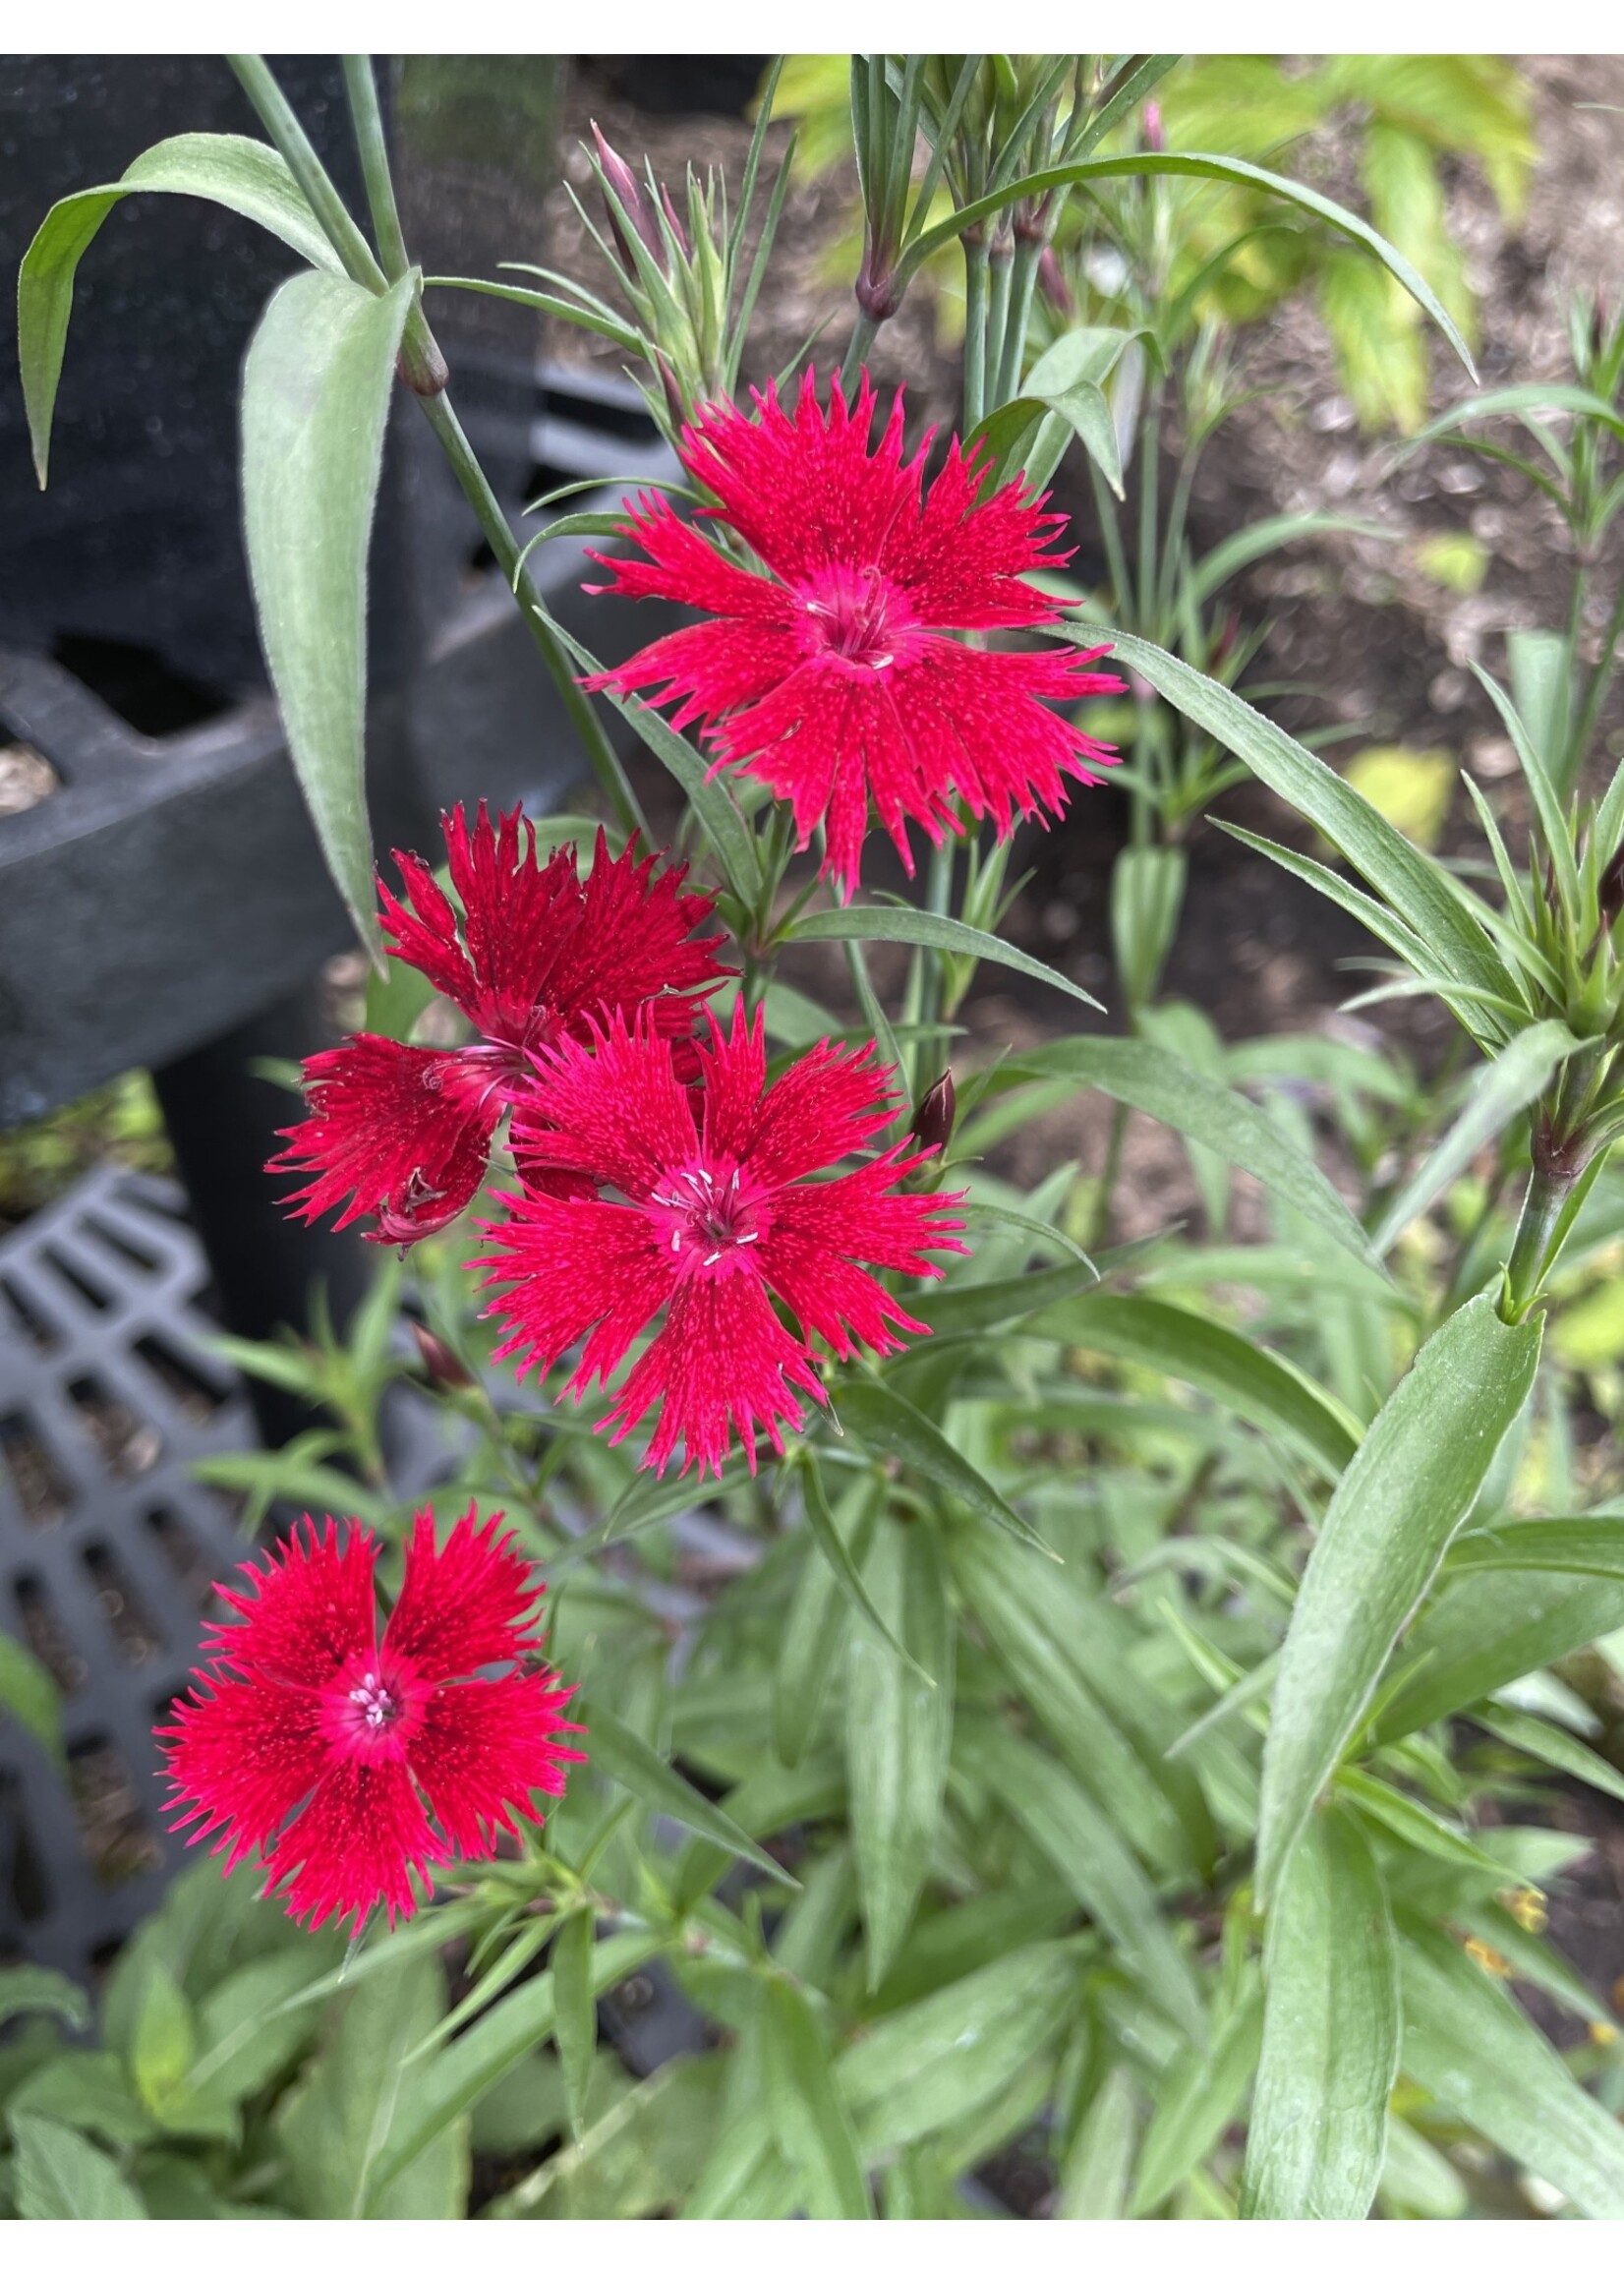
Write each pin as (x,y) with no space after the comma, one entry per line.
(1532,1250)
(1001,265)
(1023,286)
(611,777)
(975,332)
(275,115)
(1110,528)
(362,92)
(857,347)
(1100,1231)
(1595,694)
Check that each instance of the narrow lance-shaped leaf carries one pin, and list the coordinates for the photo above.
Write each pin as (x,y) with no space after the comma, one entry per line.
(1502,1090)
(624,1756)
(231,170)
(1419,890)
(316,388)
(1242,1378)
(1319,2131)
(1203,166)
(1403,1496)
(810,2114)
(898,1730)
(1156,1082)
(1095,2175)
(575,2015)
(1471,2048)
(918,928)
(889,1423)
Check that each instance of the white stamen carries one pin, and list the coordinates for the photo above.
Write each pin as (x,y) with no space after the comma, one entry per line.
(676,1242)
(745,1238)
(710,1259)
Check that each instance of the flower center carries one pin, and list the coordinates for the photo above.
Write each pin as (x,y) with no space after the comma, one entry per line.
(709,1219)
(374,1708)
(375,1704)
(857,615)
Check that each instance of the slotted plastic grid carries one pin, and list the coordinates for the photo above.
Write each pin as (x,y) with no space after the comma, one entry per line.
(109,1547)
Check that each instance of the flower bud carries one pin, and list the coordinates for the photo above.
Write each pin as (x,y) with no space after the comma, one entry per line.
(634,202)
(1611,890)
(933,1117)
(677,228)
(1156,138)
(440,1363)
(1051,282)
(421,366)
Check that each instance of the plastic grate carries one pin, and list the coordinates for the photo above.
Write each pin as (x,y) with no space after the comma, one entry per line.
(110,1549)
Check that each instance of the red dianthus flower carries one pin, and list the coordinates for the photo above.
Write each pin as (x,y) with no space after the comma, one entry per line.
(830,678)
(717,1217)
(405,1134)
(395,1754)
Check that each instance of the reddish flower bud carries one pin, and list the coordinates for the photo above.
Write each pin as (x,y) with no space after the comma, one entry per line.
(440,1362)
(1050,280)
(675,407)
(677,229)
(1156,138)
(634,201)
(934,1114)
(1611,890)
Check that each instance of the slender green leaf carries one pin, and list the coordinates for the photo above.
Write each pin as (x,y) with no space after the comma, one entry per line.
(949,2054)
(1085,1848)
(575,2014)
(1592,1546)
(1407,1488)
(917,928)
(1509,402)
(1256,1384)
(1110,1726)
(713,806)
(1467,2044)
(809,2116)
(1317,2138)
(243,175)
(1197,2102)
(41,1990)
(347,2117)
(60,2176)
(1097,2172)
(1486,1628)
(1508,1083)
(887,1424)
(623,1756)
(1419,890)
(472,2064)
(990,1302)
(809,1643)
(1199,166)
(898,1730)
(1559,1749)
(1170,1091)
(1239,550)
(848,1577)
(316,388)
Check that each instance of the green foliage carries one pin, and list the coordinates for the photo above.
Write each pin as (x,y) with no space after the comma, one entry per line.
(1098,1732)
